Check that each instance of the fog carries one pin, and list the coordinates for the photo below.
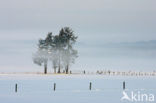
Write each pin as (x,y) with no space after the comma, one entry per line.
(112,34)
(140,56)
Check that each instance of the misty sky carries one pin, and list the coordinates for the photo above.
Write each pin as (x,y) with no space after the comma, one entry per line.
(113,34)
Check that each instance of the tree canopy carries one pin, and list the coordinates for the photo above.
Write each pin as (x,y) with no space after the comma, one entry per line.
(57,49)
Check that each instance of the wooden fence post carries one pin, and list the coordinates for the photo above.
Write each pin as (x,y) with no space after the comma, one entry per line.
(124,85)
(90,86)
(16,87)
(54,86)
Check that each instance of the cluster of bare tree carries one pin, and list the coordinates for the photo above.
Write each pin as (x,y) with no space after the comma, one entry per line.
(57,49)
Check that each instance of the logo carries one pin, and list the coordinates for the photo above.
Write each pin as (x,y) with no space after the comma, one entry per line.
(137,97)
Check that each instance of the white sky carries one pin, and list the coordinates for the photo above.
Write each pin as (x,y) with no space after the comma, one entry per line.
(23,22)
(113,20)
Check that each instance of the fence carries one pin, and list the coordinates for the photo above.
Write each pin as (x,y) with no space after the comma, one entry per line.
(54,86)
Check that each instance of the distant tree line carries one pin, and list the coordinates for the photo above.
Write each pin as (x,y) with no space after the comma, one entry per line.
(57,49)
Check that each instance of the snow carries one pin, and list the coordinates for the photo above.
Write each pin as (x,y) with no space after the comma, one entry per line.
(38,88)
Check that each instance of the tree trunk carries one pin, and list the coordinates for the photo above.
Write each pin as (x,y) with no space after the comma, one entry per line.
(67,69)
(59,71)
(45,68)
(55,70)
(59,68)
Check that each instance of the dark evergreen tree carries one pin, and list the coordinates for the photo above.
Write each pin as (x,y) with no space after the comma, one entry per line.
(68,38)
(43,53)
(58,49)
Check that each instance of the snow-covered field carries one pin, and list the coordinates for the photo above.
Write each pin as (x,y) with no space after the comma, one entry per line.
(70,88)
